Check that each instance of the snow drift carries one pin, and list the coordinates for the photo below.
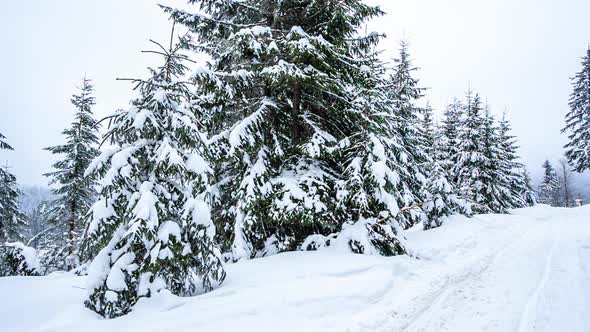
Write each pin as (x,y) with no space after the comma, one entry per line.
(529,271)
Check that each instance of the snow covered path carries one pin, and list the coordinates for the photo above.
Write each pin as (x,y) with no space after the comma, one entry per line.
(529,271)
(536,282)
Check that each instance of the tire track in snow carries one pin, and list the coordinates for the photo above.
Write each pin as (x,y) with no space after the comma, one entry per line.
(527,317)
(454,283)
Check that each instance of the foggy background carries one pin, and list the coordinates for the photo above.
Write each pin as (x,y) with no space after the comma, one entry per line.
(519,55)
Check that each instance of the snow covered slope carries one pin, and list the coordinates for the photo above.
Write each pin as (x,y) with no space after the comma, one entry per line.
(529,271)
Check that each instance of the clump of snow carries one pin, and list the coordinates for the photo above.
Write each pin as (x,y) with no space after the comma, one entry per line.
(145,209)
(241,130)
(99,268)
(196,163)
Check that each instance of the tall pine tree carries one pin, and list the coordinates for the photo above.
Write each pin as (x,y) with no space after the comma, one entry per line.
(404,93)
(471,161)
(429,131)
(549,189)
(12,223)
(374,169)
(519,191)
(152,221)
(12,220)
(283,95)
(528,191)
(577,120)
(495,178)
(442,197)
(450,133)
(74,192)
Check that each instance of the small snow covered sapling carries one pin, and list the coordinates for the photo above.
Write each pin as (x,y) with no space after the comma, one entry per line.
(151,224)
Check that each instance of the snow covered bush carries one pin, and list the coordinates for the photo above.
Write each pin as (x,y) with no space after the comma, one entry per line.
(365,236)
(151,226)
(370,237)
(16,259)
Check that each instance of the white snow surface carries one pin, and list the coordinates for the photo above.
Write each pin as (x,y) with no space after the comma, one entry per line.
(529,271)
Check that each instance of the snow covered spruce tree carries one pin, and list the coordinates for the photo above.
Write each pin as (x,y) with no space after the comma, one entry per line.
(404,91)
(471,161)
(152,219)
(528,192)
(549,189)
(441,196)
(12,221)
(450,132)
(371,190)
(429,131)
(283,90)
(519,192)
(74,193)
(577,120)
(12,224)
(495,180)
(505,185)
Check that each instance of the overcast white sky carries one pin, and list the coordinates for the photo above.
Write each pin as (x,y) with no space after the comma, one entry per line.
(517,54)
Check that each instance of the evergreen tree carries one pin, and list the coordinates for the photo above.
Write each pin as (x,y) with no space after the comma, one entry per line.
(450,138)
(528,192)
(404,93)
(74,192)
(372,187)
(495,180)
(430,132)
(519,190)
(442,197)
(549,188)
(471,161)
(3,144)
(282,94)
(152,221)
(577,120)
(565,184)
(12,220)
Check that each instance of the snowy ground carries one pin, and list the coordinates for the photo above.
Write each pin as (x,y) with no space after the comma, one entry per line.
(529,271)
